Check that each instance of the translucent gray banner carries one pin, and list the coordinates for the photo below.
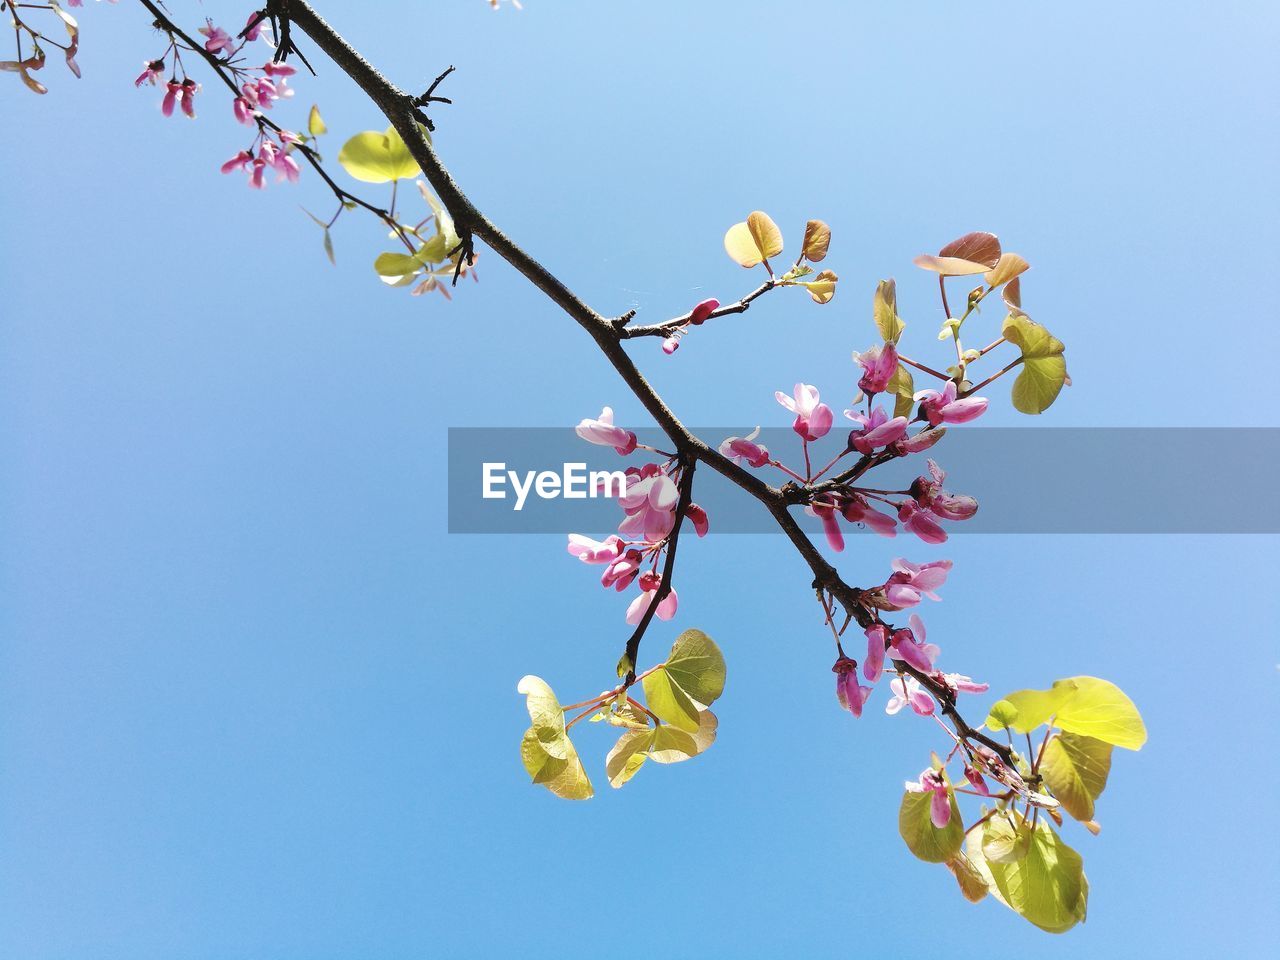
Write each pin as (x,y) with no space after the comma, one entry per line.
(1026,480)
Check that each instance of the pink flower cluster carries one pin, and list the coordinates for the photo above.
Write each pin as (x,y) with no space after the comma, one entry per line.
(266,155)
(649,504)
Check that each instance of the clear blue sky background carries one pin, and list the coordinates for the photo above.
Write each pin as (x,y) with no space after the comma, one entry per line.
(254,702)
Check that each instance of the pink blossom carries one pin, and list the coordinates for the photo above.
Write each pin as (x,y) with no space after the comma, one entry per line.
(909,582)
(945,408)
(849,692)
(878,429)
(240,161)
(908,646)
(919,443)
(595,551)
(826,513)
(813,419)
(921,523)
(670,345)
(151,73)
(857,509)
(650,505)
(253,26)
(975,780)
(218,39)
(907,691)
(930,495)
(666,608)
(622,571)
(602,431)
(273,69)
(878,366)
(962,684)
(940,804)
(744,450)
(243,110)
(703,310)
(877,638)
(173,90)
(698,517)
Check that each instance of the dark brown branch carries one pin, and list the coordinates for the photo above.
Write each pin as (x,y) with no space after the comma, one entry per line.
(668,569)
(664,328)
(399,108)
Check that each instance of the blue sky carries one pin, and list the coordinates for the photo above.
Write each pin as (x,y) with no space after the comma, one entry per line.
(254,702)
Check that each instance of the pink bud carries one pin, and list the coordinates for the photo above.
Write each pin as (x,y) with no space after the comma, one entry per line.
(702,311)
(670,345)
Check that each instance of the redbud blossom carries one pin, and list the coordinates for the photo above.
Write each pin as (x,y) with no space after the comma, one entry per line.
(253,26)
(151,73)
(857,509)
(649,584)
(698,517)
(930,495)
(945,408)
(849,692)
(962,684)
(877,638)
(908,646)
(650,505)
(919,443)
(878,429)
(878,366)
(909,582)
(921,523)
(670,345)
(240,161)
(940,804)
(595,551)
(602,431)
(813,419)
(907,691)
(219,40)
(826,513)
(622,571)
(744,450)
(976,781)
(703,310)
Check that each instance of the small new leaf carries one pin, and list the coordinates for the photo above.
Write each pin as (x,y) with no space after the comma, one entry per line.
(884,309)
(754,240)
(1044,370)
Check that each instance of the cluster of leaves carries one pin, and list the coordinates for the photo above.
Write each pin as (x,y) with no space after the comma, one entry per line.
(26,63)
(755,240)
(1012,851)
(432,252)
(1043,370)
(673,723)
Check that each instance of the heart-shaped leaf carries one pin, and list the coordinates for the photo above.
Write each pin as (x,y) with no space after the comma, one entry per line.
(1085,705)
(972,253)
(1075,768)
(1046,887)
(546,750)
(817,238)
(1044,371)
(754,240)
(378,157)
(690,680)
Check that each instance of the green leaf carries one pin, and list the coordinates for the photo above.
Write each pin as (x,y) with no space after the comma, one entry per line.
(1046,887)
(328,246)
(1044,370)
(924,839)
(1075,768)
(315,123)
(378,157)
(396,265)
(545,749)
(691,679)
(664,744)
(902,388)
(1003,842)
(1085,705)
(973,884)
(884,309)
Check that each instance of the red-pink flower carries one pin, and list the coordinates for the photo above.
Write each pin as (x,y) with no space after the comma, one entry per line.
(595,551)
(243,110)
(908,646)
(921,522)
(698,517)
(151,73)
(878,429)
(603,432)
(253,26)
(909,582)
(827,513)
(877,638)
(218,39)
(649,584)
(945,408)
(622,571)
(940,803)
(878,366)
(703,310)
(670,345)
(650,504)
(929,494)
(975,780)
(907,691)
(856,509)
(919,443)
(813,418)
(744,450)
(849,692)
(240,161)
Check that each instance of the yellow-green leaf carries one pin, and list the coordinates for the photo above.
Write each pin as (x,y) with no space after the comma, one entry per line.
(396,265)
(664,744)
(315,123)
(972,883)
(924,839)
(884,309)
(1075,768)
(754,240)
(903,389)
(375,157)
(817,238)
(822,287)
(691,679)
(1085,705)
(1046,887)
(1003,842)
(546,714)
(545,749)
(1044,370)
